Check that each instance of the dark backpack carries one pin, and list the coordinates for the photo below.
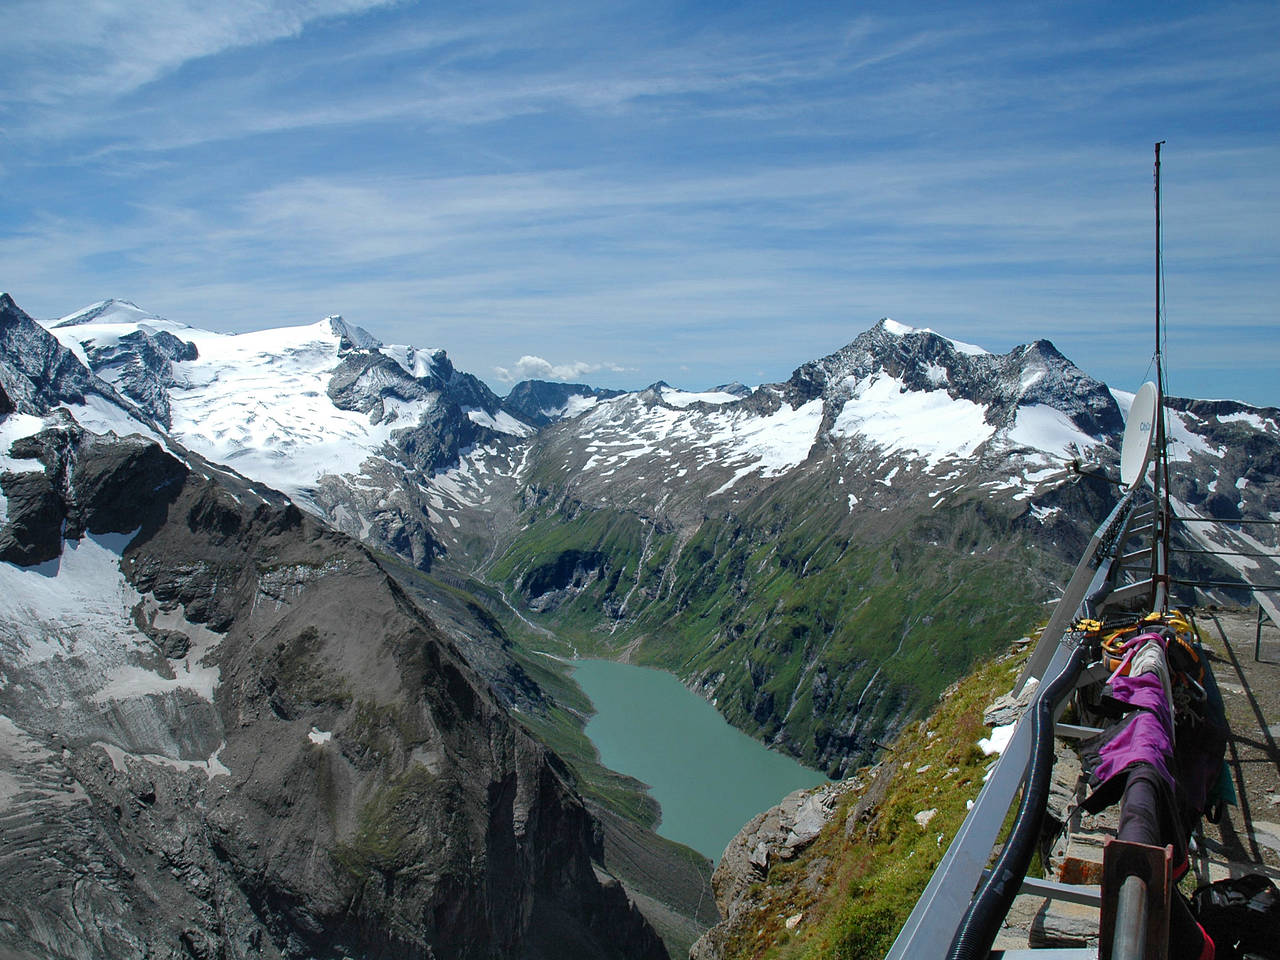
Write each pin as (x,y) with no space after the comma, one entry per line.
(1242,915)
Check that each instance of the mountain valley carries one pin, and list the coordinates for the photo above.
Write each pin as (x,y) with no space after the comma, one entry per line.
(278,604)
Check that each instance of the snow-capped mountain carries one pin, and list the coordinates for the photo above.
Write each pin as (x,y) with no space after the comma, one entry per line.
(225,730)
(350,428)
(541,402)
(38,375)
(904,447)
(896,406)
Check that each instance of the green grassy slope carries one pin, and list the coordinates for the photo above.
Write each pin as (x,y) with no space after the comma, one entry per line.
(819,633)
(855,885)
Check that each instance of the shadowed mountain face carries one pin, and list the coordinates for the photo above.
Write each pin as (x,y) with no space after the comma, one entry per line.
(226,731)
(540,402)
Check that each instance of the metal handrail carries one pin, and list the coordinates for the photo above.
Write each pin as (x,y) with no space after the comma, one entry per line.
(977,931)
(937,919)
(938,914)
(1078,587)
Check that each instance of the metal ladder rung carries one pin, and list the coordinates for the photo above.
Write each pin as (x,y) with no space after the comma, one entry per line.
(1129,559)
(1073,731)
(1088,894)
(1130,591)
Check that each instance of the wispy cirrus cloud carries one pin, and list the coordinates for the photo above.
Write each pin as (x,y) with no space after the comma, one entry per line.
(59,49)
(679,186)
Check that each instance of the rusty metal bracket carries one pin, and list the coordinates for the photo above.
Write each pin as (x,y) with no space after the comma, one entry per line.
(1137,881)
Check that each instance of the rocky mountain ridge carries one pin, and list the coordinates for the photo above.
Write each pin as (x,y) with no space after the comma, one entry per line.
(771,546)
(226,731)
(540,402)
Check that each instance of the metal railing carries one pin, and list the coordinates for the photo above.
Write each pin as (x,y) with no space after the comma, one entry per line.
(943,919)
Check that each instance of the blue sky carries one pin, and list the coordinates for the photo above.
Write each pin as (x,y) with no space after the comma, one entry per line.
(622,192)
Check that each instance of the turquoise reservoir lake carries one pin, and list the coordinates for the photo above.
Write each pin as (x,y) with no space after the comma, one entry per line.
(709,777)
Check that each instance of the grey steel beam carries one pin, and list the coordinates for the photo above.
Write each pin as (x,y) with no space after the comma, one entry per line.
(1130,591)
(1088,895)
(1071,731)
(1137,556)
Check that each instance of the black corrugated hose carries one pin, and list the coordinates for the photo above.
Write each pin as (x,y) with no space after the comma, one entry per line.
(988,909)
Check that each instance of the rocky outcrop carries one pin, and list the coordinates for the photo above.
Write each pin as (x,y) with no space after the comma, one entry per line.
(140,365)
(541,402)
(36,372)
(772,837)
(272,752)
(565,576)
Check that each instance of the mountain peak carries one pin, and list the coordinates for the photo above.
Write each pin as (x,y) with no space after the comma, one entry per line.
(351,337)
(107,311)
(37,373)
(895,329)
(541,402)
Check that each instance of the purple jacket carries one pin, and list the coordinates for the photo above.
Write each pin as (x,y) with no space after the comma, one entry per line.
(1144,735)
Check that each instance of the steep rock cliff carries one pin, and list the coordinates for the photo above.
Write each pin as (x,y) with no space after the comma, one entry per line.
(226,732)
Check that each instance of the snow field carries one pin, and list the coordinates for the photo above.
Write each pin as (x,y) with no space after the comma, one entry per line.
(932,423)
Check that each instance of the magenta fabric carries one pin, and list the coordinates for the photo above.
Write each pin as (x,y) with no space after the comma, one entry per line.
(1146,736)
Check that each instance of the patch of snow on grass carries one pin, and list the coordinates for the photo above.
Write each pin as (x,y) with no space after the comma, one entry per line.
(998,742)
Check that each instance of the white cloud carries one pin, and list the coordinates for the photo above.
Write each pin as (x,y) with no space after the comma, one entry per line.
(536,368)
(112,47)
(682,188)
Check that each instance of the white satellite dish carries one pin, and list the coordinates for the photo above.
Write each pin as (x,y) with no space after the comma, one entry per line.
(1139,432)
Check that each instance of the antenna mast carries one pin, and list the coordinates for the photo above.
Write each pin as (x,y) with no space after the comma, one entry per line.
(1161,479)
